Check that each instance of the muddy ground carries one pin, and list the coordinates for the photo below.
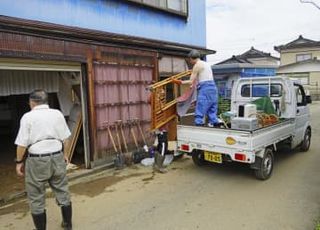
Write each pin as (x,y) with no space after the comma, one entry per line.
(188,197)
(10,183)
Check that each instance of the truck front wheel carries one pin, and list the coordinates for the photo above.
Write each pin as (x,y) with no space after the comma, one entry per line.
(305,145)
(266,166)
(198,157)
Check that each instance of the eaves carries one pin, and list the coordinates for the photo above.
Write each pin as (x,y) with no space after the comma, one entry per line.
(94,37)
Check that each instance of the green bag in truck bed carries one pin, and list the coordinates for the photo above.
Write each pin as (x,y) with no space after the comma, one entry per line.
(265,105)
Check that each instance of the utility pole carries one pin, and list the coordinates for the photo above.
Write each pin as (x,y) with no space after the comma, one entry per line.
(311,2)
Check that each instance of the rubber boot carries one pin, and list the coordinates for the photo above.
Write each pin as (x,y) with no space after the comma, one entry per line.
(40,221)
(158,163)
(161,161)
(156,160)
(66,217)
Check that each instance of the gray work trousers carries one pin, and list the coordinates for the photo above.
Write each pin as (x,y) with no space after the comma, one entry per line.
(39,171)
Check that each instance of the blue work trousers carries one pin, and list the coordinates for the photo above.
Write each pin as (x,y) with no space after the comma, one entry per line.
(207,103)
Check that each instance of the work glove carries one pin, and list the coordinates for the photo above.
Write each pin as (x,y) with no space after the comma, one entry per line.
(176,81)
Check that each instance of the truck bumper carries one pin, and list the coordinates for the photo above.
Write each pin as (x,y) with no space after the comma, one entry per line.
(229,155)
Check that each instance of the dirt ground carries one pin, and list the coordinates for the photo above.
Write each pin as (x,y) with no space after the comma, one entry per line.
(9,181)
(11,184)
(188,197)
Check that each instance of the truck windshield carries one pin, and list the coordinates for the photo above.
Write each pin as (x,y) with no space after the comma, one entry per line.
(261,90)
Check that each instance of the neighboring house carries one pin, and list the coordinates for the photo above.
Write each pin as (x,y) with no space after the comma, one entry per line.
(300,59)
(105,53)
(251,63)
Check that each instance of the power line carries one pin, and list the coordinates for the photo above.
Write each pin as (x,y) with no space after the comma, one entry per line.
(311,2)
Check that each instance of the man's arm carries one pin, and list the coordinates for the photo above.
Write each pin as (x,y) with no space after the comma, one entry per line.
(193,77)
(66,145)
(194,74)
(21,151)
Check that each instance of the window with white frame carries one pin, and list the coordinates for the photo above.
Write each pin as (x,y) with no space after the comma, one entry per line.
(179,7)
(303,57)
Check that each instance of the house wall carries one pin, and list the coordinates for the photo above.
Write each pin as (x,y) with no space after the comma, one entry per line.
(116,16)
(310,80)
(264,61)
(289,56)
(314,85)
(300,68)
(315,77)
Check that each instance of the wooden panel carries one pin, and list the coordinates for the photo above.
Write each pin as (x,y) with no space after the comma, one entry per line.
(163,110)
(74,136)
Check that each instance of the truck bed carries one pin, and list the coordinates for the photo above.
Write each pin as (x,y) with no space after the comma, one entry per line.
(249,142)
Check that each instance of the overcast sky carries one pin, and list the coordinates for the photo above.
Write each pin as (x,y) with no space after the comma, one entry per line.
(233,26)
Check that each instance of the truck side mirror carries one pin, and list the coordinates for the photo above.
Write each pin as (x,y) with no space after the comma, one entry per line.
(308,99)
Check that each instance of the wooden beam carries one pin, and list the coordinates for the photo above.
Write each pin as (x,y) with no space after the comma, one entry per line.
(92,111)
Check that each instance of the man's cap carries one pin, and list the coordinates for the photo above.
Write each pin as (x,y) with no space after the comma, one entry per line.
(194,54)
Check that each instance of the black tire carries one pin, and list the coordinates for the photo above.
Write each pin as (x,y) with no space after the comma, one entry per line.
(266,166)
(305,145)
(198,158)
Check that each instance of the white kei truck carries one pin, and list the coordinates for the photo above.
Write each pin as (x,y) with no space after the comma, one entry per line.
(246,141)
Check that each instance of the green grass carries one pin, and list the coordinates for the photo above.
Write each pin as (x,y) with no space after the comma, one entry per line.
(317,225)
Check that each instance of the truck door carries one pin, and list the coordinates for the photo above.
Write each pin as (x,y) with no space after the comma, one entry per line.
(302,113)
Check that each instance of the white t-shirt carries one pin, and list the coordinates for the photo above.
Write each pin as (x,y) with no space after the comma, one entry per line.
(44,129)
(203,71)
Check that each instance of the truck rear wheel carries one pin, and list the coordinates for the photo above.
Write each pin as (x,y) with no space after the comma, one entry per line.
(198,157)
(305,145)
(266,166)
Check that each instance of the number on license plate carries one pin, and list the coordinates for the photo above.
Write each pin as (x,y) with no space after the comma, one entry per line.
(213,157)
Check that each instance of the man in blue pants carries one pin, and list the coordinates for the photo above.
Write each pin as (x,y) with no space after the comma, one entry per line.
(207,94)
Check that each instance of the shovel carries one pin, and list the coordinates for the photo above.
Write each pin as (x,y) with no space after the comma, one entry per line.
(138,154)
(119,161)
(127,154)
(145,146)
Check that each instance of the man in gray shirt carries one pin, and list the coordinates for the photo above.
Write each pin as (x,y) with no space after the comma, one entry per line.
(42,136)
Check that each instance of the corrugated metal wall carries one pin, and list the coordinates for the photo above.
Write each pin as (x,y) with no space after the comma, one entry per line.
(117,17)
(120,94)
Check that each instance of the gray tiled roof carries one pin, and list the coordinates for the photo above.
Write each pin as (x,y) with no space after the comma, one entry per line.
(300,42)
(246,56)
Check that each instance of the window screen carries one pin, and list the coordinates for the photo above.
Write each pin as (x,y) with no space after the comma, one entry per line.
(303,57)
(262,90)
(179,7)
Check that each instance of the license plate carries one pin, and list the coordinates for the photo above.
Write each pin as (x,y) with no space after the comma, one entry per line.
(213,157)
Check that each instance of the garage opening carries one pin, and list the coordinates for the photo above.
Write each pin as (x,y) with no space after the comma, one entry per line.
(64,87)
